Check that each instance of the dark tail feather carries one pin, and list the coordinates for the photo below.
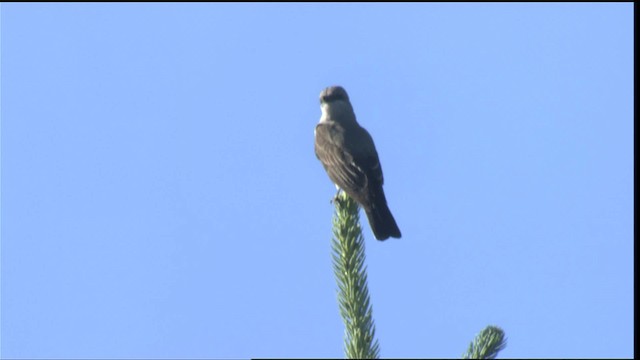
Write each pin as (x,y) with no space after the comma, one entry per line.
(382,222)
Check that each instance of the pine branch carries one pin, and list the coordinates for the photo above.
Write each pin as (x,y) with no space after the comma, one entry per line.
(487,344)
(353,295)
(351,275)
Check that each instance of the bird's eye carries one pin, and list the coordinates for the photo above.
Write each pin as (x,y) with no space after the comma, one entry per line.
(333,97)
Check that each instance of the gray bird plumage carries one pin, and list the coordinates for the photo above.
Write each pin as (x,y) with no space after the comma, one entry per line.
(348,154)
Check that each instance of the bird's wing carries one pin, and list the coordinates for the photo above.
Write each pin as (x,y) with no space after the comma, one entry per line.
(350,160)
(366,156)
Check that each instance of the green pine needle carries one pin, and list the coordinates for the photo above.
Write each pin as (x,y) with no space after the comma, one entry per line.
(353,294)
(487,344)
(351,275)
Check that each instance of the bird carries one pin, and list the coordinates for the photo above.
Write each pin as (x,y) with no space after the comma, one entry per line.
(348,155)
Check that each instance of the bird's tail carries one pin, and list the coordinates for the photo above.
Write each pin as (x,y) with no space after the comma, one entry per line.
(381,220)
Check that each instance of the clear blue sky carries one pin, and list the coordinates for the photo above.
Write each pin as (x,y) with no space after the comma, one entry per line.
(161,197)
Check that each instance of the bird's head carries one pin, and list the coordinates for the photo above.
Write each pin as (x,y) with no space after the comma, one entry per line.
(335,106)
(333,94)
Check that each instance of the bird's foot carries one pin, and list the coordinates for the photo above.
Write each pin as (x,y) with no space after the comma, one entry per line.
(336,197)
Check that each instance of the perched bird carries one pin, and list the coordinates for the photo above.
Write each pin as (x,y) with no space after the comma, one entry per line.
(347,152)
